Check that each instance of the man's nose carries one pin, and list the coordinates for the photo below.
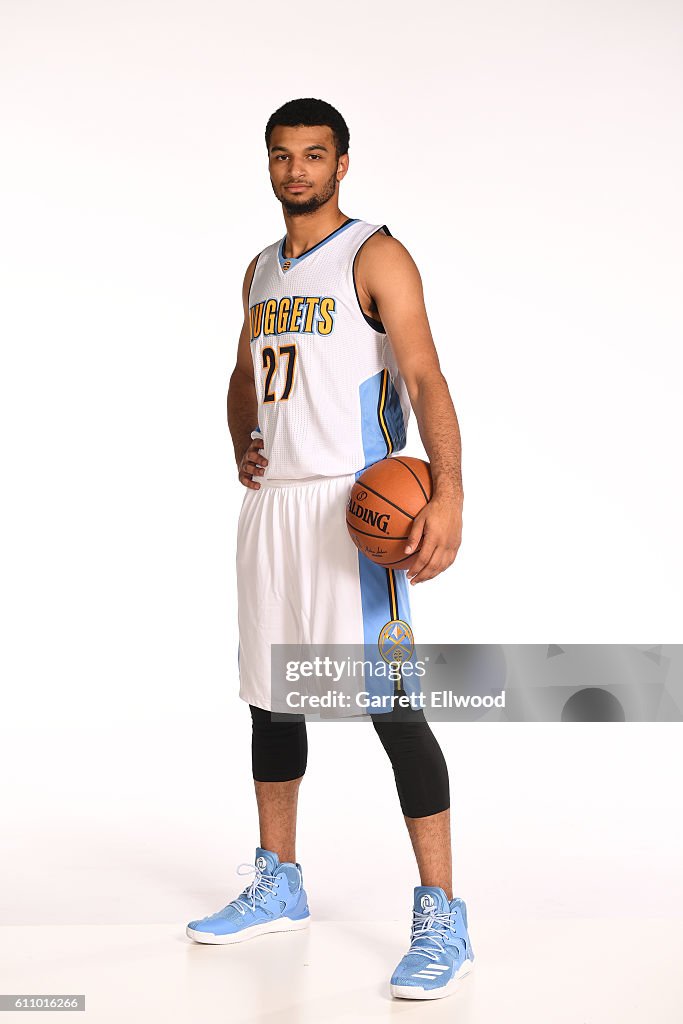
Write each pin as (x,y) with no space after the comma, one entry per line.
(297,170)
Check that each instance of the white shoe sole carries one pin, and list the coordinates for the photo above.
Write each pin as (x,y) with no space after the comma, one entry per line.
(415,992)
(282,924)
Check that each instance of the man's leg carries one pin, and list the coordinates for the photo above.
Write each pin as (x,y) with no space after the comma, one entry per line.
(440,952)
(277,805)
(275,900)
(422,783)
(279,752)
(431,839)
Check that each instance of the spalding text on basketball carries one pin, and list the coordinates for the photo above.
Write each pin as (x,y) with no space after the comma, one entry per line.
(378,519)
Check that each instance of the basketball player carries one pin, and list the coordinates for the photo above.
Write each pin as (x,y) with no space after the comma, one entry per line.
(334,351)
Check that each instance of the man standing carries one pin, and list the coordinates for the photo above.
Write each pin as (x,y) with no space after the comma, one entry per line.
(334,351)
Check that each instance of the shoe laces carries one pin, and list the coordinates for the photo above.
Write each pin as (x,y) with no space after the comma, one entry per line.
(261,886)
(433,926)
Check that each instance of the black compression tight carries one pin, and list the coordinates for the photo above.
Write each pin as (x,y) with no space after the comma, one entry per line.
(279,749)
(279,752)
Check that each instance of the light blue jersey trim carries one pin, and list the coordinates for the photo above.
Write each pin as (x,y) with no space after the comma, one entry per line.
(384,592)
(293,260)
(376,443)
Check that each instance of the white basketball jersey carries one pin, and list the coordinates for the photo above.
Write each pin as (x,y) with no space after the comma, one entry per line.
(330,398)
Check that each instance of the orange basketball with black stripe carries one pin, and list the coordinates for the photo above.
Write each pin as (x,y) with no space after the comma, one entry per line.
(382,505)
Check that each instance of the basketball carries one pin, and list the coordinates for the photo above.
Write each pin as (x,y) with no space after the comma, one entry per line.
(382,505)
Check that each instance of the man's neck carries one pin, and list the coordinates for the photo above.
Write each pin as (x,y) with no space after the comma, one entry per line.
(306,231)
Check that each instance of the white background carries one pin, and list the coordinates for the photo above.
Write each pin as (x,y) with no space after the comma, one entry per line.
(529,155)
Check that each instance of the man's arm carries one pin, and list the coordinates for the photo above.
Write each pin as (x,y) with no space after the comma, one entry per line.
(242,403)
(392,280)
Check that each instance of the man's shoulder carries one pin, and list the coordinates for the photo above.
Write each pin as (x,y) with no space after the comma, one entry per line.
(380,245)
(381,253)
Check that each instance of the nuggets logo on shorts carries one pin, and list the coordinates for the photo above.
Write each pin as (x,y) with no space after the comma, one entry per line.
(396,641)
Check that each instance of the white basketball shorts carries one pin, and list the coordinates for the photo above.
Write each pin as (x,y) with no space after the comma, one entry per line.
(302,580)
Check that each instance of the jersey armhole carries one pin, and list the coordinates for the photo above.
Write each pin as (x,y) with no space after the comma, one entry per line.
(253,275)
(376,325)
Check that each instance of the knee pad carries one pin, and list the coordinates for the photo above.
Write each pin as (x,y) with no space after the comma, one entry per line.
(279,750)
(418,762)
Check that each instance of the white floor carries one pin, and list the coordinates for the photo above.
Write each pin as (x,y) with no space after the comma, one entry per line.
(567,849)
(592,971)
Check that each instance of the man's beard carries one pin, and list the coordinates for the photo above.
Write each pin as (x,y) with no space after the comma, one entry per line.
(313,202)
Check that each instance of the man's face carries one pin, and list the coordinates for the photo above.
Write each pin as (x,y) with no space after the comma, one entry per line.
(304,157)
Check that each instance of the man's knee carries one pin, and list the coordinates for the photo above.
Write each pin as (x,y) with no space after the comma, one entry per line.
(279,750)
(418,762)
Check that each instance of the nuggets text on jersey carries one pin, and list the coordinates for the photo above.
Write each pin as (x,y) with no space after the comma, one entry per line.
(292,314)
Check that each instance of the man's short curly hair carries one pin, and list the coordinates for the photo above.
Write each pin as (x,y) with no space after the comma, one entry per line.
(307,112)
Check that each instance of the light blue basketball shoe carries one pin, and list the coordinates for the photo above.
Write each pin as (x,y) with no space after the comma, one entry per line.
(274,901)
(440,951)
